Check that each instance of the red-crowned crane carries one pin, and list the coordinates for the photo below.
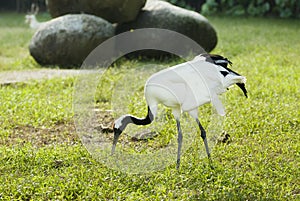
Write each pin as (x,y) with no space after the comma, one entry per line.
(184,88)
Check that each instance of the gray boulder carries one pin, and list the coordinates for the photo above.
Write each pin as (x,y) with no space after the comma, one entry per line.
(161,14)
(67,40)
(114,11)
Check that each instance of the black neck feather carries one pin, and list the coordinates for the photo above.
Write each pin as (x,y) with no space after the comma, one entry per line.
(137,121)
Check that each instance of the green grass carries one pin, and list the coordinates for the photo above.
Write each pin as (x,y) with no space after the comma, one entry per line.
(15,36)
(41,157)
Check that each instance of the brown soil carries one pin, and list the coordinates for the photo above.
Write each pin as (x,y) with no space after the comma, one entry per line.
(62,133)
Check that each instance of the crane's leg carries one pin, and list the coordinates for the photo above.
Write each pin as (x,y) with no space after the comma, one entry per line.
(117,133)
(179,139)
(203,136)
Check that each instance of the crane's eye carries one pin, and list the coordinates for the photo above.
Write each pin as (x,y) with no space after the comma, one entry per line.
(224,73)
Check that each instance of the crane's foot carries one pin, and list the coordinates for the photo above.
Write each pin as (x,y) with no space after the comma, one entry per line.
(178,164)
(210,162)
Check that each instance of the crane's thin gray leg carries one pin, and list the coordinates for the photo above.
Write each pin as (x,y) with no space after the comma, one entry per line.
(117,133)
(203,136)
(179,139)
(114,144)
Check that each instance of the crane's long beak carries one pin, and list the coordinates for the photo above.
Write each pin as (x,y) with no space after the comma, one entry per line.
(117,133)
(243,88)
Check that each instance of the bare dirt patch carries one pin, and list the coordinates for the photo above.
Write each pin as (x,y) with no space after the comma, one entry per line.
(39,137)
(61,133)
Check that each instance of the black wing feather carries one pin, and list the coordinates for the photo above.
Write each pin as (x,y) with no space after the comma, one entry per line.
(214,58)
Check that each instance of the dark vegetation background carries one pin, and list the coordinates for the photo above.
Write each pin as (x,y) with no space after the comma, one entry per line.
(274,8)
(21,5)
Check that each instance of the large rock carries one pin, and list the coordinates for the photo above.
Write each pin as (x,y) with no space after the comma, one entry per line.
(67,40)
(114,11)
(161,14)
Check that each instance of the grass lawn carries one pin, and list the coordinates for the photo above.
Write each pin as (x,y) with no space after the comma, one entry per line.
(42,158)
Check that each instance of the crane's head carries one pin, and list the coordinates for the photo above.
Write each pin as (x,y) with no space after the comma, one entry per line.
(118,127)
(230,77)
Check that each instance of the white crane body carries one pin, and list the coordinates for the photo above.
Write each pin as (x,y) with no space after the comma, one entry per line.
(188,85)
(184,88)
